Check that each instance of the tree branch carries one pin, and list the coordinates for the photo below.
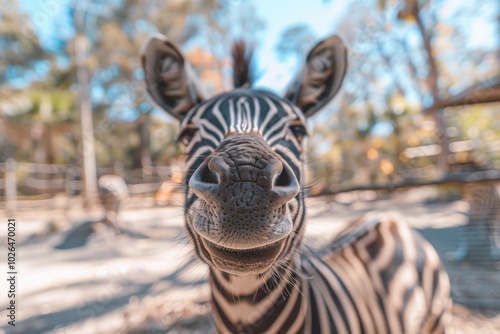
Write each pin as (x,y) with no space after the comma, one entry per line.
(483,92)
(426,38)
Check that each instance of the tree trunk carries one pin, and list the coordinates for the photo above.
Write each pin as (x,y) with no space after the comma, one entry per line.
(432,81)
(89,161)
(143,128)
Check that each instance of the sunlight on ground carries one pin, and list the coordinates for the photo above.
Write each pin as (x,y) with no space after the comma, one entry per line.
(78,277)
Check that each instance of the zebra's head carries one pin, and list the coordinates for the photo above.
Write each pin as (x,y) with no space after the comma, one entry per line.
(244,205)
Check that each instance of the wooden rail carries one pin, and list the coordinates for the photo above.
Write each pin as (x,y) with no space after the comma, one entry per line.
(489,176)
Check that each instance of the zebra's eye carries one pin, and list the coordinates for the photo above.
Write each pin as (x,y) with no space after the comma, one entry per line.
(299,132)
(186,136)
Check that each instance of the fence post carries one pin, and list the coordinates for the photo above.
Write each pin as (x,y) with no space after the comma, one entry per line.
(10,185)
(70,178)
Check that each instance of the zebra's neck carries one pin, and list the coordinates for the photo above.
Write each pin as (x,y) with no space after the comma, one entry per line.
(260,303)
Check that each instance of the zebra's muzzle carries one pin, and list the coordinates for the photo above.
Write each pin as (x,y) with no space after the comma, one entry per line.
(243,262)
(245,172)
(242,214)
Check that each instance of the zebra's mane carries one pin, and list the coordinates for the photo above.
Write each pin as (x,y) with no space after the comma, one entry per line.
(243,75)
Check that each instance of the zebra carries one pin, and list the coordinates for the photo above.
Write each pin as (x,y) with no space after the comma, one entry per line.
(113,191)
(480,236)
(245,210)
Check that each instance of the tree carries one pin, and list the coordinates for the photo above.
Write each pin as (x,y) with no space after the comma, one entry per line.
(20,50)
(113,34)
(422,53)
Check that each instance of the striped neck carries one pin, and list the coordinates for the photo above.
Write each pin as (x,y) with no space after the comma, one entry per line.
(260,303)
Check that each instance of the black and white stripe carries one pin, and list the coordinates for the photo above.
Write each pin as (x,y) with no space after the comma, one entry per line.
(216,118)
(356,287)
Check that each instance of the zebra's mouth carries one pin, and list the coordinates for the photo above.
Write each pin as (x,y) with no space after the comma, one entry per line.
(243,261)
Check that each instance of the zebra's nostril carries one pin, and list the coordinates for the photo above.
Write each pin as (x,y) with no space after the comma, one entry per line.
(208,176)
(218,170)
(286,185)
(204,182)
(283,179)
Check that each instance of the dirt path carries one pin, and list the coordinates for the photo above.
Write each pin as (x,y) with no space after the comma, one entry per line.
(78,277)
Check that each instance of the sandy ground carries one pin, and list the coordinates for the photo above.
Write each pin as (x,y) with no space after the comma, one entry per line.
(74,279)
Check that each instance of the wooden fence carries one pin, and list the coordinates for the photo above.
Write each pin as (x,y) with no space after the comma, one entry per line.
(28,181)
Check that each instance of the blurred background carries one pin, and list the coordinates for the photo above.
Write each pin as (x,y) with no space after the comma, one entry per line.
(415,129)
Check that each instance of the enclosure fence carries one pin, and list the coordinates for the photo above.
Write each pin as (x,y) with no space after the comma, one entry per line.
(21,181)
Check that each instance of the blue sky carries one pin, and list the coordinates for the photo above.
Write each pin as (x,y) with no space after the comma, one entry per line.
(321,16)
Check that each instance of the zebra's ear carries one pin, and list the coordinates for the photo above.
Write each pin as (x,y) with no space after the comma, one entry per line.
(321,77)
(169,80)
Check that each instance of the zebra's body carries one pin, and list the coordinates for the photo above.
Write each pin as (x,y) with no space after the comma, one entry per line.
(484,202)
(245,214)
(347,290)
(112,192)
(480,237)
(330,294)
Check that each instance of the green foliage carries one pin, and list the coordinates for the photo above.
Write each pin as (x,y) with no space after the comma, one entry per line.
(40,95)
(20,49)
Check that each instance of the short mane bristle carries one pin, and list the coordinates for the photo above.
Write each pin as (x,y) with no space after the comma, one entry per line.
(242,71)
